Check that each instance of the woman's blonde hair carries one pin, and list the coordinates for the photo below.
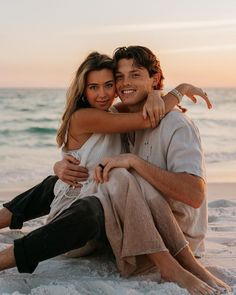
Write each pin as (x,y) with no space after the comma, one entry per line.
(75,96)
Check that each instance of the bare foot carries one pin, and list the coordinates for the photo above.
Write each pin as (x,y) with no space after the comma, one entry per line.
(188,281)
(210,279)
(172,271)
(189,262)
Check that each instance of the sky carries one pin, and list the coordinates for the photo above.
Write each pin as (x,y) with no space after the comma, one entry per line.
(44,41)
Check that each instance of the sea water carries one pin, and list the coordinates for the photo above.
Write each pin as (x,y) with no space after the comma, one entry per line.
(29,119)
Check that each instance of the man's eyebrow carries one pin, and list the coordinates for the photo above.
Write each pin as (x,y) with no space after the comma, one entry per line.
(136,70)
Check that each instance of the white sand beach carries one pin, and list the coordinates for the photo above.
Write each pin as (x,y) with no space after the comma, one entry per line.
(97,274)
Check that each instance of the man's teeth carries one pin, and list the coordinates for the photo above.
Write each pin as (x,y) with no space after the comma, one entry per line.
(127,91)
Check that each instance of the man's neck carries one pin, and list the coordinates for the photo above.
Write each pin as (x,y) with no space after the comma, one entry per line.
(136,108)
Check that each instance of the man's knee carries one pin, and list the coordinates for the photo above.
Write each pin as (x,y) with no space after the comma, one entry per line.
(156,200)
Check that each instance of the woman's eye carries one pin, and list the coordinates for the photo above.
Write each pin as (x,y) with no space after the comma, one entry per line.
(93,87)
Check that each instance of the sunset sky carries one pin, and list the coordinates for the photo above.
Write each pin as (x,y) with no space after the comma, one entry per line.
(43,41)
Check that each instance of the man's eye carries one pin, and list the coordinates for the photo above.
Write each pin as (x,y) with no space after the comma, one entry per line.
(118,77)
(110,85)
(135,75)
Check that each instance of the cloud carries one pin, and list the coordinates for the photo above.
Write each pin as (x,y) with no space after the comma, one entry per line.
(160,26)
(225,47)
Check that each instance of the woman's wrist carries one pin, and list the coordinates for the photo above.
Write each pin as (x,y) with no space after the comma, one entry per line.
(177,94)
(183,88)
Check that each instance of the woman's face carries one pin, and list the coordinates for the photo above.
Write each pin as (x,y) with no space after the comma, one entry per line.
(100,89)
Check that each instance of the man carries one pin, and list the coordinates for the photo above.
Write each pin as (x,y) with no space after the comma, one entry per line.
(169,157)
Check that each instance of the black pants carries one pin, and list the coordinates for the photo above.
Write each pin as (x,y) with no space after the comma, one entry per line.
(73,228)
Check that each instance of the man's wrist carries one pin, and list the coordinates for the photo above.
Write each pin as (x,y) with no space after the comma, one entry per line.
(134,160)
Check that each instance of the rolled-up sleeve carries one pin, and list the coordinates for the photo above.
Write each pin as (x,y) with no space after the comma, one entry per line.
(185,153)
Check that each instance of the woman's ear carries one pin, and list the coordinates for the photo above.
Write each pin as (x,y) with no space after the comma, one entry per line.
(156,80)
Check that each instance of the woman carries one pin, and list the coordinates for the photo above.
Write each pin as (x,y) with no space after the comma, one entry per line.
(66,196)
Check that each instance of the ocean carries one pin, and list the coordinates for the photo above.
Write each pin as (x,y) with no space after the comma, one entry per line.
(30,117)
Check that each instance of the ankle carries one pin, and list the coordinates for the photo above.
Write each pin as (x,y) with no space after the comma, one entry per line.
(171,271)
(7,258)
(5,217)
(167,265)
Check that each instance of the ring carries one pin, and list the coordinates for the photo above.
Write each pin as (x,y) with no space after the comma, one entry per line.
(206,94)
(102,166)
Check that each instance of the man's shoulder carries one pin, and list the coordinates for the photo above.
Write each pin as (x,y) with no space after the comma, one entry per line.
(176,118)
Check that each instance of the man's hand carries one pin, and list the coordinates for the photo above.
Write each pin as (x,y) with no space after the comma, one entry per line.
(120,161)
(69,171)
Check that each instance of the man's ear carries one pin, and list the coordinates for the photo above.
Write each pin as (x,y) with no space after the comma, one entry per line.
(156,80)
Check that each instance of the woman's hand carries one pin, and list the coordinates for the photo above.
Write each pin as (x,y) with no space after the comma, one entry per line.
(154,107)
(191,91)
(120,161)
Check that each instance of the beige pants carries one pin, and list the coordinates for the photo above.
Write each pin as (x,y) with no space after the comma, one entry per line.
(138,221)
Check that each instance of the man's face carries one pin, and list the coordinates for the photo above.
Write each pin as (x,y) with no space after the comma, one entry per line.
(132,83)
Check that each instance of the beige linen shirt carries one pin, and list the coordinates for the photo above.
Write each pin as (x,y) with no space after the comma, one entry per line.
(176,146)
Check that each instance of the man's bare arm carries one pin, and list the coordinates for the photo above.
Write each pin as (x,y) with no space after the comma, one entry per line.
(183,187)
(70,171)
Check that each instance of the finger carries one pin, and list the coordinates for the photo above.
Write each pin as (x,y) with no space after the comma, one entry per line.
(95,175)
(75,167)
(162,113)
(193,98)
(152,119)
(209,105)
(83,169)
(106,171)
(99,174)
(79,179)
(77,174)
(71,159)
(144,113)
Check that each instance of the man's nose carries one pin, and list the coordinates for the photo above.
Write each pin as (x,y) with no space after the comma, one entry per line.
(126,80)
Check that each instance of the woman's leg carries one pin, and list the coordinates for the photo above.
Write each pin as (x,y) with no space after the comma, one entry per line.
(72,229)
(29,205)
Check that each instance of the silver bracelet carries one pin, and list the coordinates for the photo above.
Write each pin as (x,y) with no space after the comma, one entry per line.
(177,94)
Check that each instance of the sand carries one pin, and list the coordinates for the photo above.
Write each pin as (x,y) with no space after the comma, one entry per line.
(97,274)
